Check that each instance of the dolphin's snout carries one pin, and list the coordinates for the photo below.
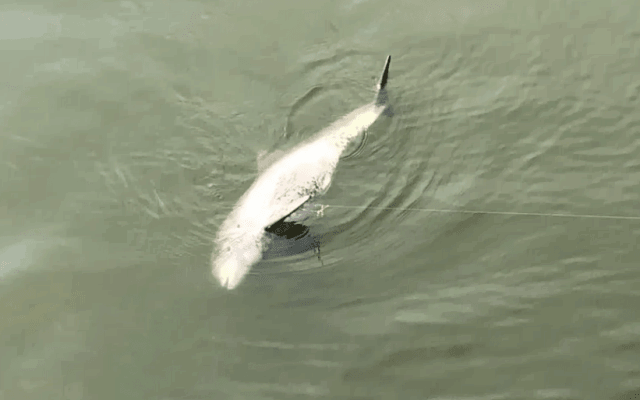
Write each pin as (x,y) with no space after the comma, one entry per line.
(230,266)
(229,272)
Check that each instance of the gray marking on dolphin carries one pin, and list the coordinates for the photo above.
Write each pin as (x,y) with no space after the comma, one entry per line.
(286,182)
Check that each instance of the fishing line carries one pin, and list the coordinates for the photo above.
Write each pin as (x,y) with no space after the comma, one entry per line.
(514,213)
(531,214)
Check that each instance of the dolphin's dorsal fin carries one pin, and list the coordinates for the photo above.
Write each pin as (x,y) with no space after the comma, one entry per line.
(265,159)
(381,96)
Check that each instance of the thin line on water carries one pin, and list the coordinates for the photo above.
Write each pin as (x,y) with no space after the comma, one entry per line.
(535,214)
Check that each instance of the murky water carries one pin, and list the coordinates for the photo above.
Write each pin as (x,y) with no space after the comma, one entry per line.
(480,245)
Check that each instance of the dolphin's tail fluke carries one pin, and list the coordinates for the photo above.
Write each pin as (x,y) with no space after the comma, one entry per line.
(381,96)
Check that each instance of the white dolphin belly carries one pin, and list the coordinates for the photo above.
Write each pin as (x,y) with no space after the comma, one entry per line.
(280,190)
(302,173)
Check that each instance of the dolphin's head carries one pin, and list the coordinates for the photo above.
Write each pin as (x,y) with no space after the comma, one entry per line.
(234,258)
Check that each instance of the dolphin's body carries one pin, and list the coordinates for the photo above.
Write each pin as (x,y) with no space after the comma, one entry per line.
(293,178)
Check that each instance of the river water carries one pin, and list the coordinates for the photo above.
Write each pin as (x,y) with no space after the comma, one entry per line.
(482,244)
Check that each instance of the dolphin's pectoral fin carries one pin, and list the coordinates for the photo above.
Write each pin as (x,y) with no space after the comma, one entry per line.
(287,229)
(289,238)
(291,226)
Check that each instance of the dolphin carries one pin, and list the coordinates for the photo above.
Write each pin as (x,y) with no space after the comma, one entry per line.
(287,181)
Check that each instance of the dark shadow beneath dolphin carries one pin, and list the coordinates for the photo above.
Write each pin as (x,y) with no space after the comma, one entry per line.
(287,238)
